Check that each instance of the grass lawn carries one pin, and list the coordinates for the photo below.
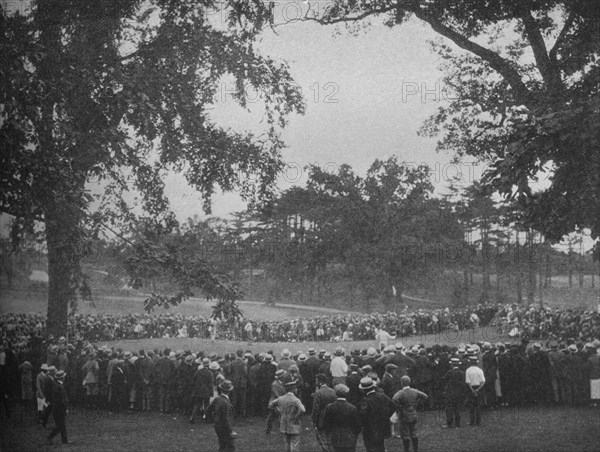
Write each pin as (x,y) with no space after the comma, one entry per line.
(509,429)
(12,301)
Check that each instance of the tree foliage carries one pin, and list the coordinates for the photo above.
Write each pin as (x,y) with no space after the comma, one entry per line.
(116,93)
(525,80)
(381,229)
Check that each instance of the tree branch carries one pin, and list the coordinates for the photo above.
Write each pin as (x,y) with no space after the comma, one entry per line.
(503,67)
(561,37)
(548,70)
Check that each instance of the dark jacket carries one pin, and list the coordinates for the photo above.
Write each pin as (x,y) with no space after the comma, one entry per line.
(203,383)
(222,409)
(374,412)
(321,398)
(340,421)
(455,386)
(239,373)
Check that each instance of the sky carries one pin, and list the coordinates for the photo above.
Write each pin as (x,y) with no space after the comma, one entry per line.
(366,96)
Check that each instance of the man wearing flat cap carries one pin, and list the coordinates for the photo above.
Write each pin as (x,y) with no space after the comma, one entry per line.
(222,412)
(340,422)
(290,408)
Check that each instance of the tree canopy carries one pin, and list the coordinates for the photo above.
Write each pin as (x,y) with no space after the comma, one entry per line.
(116,93)
(525,80)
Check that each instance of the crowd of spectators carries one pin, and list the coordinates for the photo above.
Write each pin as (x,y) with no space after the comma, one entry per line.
(108,327)
(551,358)
(512,320)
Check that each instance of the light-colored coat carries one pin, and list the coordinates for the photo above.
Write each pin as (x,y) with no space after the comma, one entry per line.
(291,408)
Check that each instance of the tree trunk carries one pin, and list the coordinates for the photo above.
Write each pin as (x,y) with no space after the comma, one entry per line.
(62,239)
(548,282)
(530,268)
(484,263)
(570,264)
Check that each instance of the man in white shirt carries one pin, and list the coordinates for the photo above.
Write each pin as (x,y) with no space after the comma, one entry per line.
(475,381)
(338,367)
(383,337)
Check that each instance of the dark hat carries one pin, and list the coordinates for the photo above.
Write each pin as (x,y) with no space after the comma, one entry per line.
(339,351)
(390,366)
(226,386)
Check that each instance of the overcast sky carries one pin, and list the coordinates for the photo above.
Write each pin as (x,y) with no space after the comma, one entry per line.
(366,97)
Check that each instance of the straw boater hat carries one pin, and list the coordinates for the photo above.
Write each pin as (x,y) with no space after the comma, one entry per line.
(44,367)
(60,375)
(366,383)
(291,383)
(280,373)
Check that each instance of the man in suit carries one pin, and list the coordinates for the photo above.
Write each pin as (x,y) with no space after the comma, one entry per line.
(309,372)
(353,383)
(340,422)
(290,408)
(40,383)
(222,411)
(59,408)
(490,369)
(239,379)
(277,390)
(322,397)
(203,388)
(454,392)
(48,394)
(406,402)
(165,370)
(374,412)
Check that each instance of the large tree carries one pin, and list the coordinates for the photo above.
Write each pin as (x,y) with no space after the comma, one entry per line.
(116,93)
(380,230)
(525,79)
